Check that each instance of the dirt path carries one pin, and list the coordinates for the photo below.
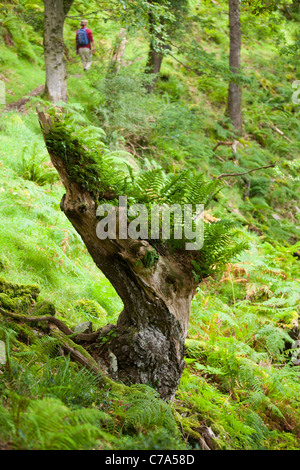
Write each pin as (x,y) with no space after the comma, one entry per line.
(20,104)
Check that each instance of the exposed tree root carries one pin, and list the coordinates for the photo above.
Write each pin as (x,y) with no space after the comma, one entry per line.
(86,337)
(63,333)
(84,359)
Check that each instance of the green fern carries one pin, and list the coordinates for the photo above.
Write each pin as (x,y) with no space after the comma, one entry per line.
(95,172)
(33,167)
(147,411)
(50,425)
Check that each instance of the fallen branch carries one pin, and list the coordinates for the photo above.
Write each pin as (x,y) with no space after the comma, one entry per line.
(225,175)
(218,144)
(282,134)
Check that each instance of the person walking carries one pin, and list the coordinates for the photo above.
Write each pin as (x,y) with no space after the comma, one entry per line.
(85,46)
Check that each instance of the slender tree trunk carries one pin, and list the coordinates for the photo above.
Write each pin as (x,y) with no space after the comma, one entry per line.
(234,102)
(148,345)
(153,66)
(155,57)
(56,74)
(118,54)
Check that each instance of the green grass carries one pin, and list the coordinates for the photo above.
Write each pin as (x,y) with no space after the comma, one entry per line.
(20,76)
(38,244)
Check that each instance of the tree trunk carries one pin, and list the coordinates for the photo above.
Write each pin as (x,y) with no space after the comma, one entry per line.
(155,57)
(56,74)
(118,53)
(153,66)
(234,102)
(148,345)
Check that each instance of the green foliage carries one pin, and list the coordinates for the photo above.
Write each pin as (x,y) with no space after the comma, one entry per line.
(19,36)
(119,111)
(91,310)
(147,411)
(75,410)
(245,323)
(74,388)
(49,425)
(86,167)
(240,381)
(221,244)
(33,167)
(96,173)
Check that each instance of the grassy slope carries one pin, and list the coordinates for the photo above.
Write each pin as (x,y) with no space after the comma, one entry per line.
(236,381)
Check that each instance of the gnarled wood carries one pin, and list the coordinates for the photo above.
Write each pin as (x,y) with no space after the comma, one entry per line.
(148,346)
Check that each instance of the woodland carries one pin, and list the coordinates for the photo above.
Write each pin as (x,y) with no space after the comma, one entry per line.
(144,343)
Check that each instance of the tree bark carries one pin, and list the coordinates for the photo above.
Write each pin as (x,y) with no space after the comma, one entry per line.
(56,73)
(155,57)
(234,101)
(118,53)
(153,66)
(148,344)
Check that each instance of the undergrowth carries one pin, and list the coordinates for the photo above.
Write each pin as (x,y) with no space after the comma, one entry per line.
(241,383)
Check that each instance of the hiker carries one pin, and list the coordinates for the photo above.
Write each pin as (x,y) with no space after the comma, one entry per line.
(85,44)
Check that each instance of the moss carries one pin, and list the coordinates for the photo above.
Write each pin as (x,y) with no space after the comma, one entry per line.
(24,332)
(44,307)
(187,424)
(7,303)
(150,259)
(15,304)
(90,309)
(17,297)
(16,290)
(116,387)
(82,166)
(87,167)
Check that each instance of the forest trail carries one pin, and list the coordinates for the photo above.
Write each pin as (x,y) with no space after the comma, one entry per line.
(19,105)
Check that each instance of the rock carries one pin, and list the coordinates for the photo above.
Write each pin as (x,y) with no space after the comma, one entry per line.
(85,327)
